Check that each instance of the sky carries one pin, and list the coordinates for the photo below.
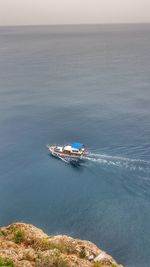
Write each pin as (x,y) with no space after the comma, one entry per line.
(37,12)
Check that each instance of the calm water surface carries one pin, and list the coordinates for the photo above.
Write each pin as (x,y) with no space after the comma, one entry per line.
(84,83)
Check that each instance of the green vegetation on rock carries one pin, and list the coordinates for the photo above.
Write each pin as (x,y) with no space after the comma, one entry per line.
(6,263)
(82,254)
(97,264)
(63,247)
(19,236)
(2,233)
(53,261)
(30,246)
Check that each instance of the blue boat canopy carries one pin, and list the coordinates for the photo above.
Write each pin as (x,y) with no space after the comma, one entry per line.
(77,145)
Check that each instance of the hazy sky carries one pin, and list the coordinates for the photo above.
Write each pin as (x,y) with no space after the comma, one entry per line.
(18,12)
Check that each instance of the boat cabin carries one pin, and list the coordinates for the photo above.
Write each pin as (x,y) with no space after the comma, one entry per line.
(74,148)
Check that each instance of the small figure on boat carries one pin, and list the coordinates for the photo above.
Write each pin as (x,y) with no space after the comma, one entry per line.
(69,153)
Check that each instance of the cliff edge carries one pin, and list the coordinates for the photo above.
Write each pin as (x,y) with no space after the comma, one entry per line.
(23,245)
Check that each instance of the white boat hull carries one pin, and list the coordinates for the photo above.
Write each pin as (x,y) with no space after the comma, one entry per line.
(64,156)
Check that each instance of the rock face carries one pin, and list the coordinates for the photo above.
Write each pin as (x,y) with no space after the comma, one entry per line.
(23,245)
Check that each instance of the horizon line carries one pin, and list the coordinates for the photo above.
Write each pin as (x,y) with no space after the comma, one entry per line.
(75,24)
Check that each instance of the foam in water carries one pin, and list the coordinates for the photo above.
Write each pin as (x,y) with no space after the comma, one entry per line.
(122,162)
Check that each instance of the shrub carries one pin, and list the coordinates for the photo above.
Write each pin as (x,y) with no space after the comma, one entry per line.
(5,262)
(2,233)
(44,244)
(51,261)
(82,253)
(63,247)
(69,248)
(100,264)
(97,264)
(19,236)
(59,262)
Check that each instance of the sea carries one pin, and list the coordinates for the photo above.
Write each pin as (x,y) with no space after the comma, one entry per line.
(84,83)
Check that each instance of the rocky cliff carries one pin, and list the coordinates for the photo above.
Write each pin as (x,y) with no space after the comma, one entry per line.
(23,245)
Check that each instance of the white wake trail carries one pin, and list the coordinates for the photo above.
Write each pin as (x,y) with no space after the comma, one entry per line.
(132,164)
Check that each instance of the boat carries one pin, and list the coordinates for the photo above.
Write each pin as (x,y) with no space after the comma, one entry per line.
(70,153)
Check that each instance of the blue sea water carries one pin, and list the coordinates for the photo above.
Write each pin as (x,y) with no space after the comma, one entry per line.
(78,83)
